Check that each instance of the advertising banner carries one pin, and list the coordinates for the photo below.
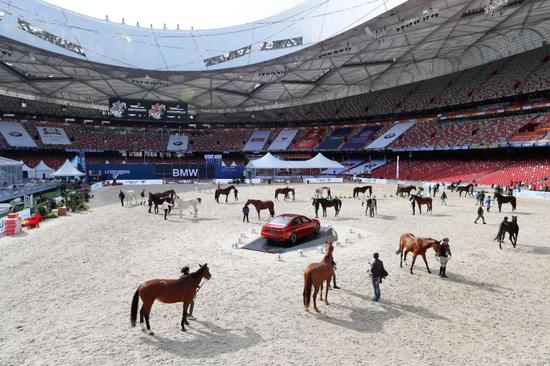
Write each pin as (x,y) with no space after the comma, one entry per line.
(122,171)
(16,135)
(177,143)
(177,171)
(257,141)
(147,110)
(390,136)
(53,136)
(283,140)
(229,172)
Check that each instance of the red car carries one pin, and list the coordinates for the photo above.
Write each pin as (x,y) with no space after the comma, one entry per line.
(290,228)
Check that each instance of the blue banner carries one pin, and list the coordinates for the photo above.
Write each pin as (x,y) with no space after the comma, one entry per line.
(122,171)
(229,172)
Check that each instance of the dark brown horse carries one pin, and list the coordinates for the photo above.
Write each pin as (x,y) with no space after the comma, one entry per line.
(171,291)
(286,192)
(469,190)
(225,192)
(363,189)
(371,208)
(410,243)
(324,203)
(505,199)
(417,200)
(314,276)
(510,227)
(156,200)
(262,205)
(401,190)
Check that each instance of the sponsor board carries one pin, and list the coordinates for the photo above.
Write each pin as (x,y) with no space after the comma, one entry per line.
(137,182)
(167,171)
(323,180)
(122,171)
(96,186)
(16,135)
(373,180)
(532,194)
(53,136)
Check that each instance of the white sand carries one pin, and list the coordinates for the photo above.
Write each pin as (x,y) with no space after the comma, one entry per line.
(66,289)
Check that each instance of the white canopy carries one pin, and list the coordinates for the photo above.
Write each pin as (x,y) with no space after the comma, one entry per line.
(41,170)
(67,170)
(10,162)
(268,161)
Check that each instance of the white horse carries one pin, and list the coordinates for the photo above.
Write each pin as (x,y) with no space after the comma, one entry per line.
(130,196)
(320,192)
(181,203)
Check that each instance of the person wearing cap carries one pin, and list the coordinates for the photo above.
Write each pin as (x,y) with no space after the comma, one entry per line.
(444,256)
(377,272)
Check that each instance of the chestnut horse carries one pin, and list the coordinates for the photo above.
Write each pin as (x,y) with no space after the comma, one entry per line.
(262,205)
(404,189)
(225,192)
(410,243)
(285,191)
(505,199)
(363,189)
(183,290)
(415,199)
(314,276)
(469,190)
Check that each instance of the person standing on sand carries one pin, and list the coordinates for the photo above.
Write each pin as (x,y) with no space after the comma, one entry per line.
(444,256)
(122,196)
(166,206)
(377,273)
(236,193)
(142,197)
(185,273)
(444,199)
(488,201)
(246,211)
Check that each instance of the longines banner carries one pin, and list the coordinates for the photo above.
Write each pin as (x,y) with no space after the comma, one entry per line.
(147,110)
(122,171)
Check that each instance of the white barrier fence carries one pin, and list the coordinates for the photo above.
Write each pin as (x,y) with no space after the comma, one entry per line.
(323,180)
(532,194)
(136,182)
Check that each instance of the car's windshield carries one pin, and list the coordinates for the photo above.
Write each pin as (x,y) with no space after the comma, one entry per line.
(281,220)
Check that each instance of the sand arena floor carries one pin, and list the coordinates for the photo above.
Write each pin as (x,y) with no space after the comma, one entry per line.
(66,288)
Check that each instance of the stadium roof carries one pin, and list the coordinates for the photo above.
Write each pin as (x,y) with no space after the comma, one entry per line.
(319,50)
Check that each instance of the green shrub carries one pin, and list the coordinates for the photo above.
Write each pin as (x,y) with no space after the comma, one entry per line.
(42,211)
(52,205)
(51,215)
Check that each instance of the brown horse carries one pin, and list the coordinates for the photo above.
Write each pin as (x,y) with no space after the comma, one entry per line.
(285,191)
(183,290)
(417,200)
(363,189)
(262,205)
(225,192)
(469,190)
(410,243)
(314,276)
(401,190)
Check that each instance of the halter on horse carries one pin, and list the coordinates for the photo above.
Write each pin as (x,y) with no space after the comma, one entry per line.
(169,292)
(315,274)
(410,243)
(335,202)
(262,205)
(363,189)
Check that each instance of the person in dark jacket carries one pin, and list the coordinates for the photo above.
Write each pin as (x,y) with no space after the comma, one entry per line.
(246,211)
(122,197)
(142,197)
(377,273)
(444,256)
(444,198)
(480,215)
(334,275)
(185,273)
(236,193)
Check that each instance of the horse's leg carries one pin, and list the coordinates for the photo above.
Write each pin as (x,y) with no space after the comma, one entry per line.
(326,293)
(226,197)
(315,292)
(401,258)
(321,292)
(146,309)
(184,321)
(425,261)
(414,260)
(405,256)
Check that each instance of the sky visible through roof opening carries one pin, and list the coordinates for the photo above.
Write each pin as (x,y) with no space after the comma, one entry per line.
(205,14)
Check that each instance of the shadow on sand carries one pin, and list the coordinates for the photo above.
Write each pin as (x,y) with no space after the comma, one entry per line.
(205,342)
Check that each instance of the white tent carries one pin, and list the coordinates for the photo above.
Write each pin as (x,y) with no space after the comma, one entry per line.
(233,163)
(268,161)
(41,171)
(10,171)
(67,170)
(322,162)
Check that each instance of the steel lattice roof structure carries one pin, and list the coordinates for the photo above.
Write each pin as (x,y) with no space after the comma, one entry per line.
(319,50)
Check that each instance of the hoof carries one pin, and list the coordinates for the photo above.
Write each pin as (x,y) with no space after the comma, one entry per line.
(151,333)
(183,330)
(317,310)
(186,323)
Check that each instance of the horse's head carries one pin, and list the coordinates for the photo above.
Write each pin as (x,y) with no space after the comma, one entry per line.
(205,272)
(514,219)
(199,200)
(329,248)
(436,245)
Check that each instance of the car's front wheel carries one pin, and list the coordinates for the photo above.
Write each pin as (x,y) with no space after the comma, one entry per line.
(317,228)
(293,238)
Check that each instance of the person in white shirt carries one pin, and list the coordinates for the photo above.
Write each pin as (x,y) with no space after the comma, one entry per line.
(166,205)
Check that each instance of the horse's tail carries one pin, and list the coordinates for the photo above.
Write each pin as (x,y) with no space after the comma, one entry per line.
(308,283)
(133,312)
(513,202)
(399,249)
(500,232)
